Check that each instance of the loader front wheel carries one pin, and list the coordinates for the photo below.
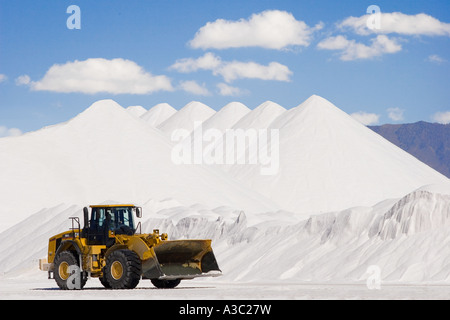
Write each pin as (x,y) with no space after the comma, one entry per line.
(123,269)
(165,284)
(67,271)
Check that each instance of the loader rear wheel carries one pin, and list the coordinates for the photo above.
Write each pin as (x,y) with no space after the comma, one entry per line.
(123,269)
(67,271)
(165,284)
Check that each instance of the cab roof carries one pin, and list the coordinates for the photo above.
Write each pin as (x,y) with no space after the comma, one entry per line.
(112,205)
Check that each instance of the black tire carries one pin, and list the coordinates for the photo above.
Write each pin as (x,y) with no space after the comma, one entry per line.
(123,269)
(165,284)
(63,263)
(104,282)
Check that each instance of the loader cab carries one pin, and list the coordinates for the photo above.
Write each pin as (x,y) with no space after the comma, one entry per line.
(106,221)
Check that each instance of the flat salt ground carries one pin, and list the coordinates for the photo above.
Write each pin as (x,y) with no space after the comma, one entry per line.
(40,289)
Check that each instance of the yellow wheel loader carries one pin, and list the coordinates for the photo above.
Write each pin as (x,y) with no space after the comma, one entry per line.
(111,248)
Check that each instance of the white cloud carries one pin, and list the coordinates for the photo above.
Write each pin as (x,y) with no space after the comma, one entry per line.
(233,70)
(395,114)
(335,43)
(436,59)
(365,118)
(227,90)
(208,61)
(116,76)
(9,132)
(352,50)
(251,70)
(271,29)
(3,77)
(400,23)
(441,117)
(194,88)
(23,80)
(386,23)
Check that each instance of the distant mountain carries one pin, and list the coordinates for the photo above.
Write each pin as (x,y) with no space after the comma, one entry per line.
(428,142)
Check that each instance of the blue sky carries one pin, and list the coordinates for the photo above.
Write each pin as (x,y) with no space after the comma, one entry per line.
(148,52)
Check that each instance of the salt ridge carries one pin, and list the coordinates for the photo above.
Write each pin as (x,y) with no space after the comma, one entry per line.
(158,114)
(186,117)
(355,199)
(103,154)
(329,162)
(331,247)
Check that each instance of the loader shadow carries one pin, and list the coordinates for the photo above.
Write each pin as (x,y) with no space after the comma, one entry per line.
(112,290)
(44,289)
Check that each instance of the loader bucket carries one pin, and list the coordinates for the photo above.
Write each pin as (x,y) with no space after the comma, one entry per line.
(181,259)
